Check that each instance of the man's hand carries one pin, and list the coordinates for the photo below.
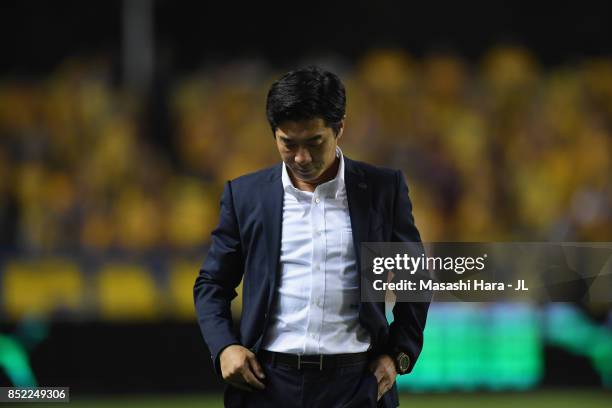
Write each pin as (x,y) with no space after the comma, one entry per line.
(240,368)
(385,372)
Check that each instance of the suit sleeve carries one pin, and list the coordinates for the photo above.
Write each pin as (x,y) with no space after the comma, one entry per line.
(218,278)
(406,331)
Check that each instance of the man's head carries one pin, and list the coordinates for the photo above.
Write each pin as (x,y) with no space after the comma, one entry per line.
(306,110)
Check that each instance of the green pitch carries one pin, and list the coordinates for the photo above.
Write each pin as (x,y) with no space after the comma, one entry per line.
(539,399)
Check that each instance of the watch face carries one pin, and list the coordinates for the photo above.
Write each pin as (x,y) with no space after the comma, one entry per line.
(403,362)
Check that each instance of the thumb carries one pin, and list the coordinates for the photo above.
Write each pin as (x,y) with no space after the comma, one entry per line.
(256,367)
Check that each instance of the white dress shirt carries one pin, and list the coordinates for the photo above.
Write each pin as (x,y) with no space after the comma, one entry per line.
(317,304)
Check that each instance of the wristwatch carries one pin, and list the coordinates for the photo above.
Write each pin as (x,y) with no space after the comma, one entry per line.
(402,362)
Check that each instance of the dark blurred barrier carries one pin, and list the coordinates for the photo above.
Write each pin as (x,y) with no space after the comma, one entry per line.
(122,358)
(468,347)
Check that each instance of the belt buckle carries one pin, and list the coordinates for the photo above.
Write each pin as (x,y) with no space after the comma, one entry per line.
(299,367)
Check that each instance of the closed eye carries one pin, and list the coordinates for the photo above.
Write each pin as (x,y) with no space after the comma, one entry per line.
(314,141)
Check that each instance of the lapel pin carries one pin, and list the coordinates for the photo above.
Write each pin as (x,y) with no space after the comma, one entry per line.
(363,185)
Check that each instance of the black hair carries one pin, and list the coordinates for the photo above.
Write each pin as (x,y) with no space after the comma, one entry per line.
(304,94)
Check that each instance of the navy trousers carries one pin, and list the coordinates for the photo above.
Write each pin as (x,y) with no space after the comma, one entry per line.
(351,386)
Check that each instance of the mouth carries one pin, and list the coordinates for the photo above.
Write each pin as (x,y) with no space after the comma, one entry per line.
(304,172)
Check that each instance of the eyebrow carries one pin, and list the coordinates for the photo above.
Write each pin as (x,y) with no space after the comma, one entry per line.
(310,139)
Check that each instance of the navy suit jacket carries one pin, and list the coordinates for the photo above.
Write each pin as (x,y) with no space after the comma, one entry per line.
(246,245)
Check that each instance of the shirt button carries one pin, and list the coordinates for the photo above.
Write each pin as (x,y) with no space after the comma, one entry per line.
(317,200)
(319,302)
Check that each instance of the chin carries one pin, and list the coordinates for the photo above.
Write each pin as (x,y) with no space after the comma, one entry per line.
(306,178)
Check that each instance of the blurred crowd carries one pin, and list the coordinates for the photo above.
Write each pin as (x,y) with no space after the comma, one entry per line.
(497,149)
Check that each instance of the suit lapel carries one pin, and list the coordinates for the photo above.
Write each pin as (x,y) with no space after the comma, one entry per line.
(359,193)
(272,224)
(358,196)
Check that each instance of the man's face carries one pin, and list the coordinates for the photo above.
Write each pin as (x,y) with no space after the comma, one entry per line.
(307,147)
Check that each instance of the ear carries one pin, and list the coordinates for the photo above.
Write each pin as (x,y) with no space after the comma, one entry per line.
(340,129)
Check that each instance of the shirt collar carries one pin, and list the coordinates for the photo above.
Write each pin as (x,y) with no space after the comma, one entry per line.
(332,188)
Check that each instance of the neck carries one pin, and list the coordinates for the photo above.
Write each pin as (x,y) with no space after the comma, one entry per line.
(310,185)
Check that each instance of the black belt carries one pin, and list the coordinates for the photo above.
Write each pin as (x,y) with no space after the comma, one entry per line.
(313,361)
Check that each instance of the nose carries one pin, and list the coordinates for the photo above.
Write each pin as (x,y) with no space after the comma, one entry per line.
(302,156)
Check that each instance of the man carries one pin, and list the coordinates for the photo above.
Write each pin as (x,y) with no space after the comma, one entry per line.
(292,232)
